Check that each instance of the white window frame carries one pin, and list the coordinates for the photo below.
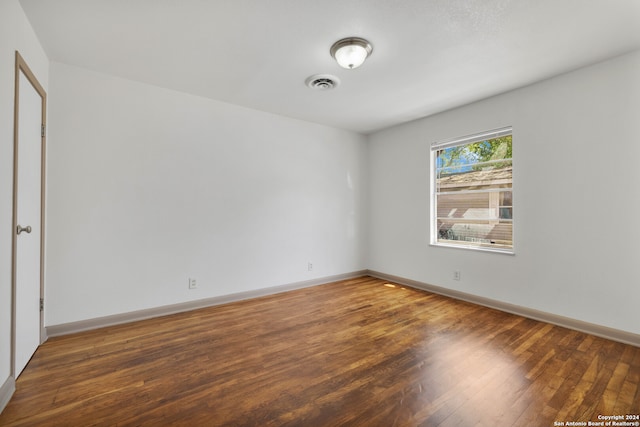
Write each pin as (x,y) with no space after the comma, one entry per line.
(433,223)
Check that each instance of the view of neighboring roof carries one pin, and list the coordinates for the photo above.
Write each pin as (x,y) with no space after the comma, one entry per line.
(478,178)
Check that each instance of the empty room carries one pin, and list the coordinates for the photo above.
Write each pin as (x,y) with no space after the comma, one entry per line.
(339,213)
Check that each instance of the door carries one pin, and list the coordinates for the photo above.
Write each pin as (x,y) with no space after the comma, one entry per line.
(28,212)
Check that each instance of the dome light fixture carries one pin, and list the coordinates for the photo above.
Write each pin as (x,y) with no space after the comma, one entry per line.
(351,52)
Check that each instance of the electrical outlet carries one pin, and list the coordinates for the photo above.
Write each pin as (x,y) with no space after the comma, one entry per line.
(192,283)
(310,266)
(456,275)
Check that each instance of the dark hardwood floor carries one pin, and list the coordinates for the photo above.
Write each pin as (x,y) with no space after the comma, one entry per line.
(360,352)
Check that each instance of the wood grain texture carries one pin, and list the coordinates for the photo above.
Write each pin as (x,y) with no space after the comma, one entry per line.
(362,352)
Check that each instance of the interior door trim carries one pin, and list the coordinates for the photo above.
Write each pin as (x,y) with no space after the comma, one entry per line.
(22,67)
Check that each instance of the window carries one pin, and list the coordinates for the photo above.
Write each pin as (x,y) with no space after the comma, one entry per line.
(472,192)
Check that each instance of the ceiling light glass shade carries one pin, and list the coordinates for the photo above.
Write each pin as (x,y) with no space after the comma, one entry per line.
(351,52)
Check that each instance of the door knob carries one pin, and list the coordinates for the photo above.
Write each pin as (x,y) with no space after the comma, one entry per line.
(26,229)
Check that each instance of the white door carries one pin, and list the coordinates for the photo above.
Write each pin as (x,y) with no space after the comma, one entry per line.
(28,219)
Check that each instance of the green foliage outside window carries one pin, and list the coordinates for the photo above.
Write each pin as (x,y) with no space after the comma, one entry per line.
(477,153)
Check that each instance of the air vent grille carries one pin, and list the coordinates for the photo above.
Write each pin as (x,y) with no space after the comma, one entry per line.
(322,82)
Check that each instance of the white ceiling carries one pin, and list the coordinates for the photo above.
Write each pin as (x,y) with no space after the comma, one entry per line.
(428,55)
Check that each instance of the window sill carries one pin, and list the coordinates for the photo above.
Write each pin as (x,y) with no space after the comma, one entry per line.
(503,251)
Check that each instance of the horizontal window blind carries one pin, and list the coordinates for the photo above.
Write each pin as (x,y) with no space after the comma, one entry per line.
(483,136)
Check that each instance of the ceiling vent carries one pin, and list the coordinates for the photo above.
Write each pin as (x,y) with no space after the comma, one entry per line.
(322,82)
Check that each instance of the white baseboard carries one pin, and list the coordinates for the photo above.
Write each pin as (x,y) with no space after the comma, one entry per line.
(6,391)
(566,322)
(578,325)
(100,322)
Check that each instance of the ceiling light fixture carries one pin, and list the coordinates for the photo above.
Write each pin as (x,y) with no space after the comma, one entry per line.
(351,52)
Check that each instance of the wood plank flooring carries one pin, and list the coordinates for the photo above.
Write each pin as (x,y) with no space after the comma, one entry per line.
(361,352)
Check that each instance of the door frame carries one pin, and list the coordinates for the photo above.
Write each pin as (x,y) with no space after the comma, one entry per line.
(22,67)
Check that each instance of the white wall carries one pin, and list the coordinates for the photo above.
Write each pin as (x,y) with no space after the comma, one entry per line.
(576,195)
(15,34)
(148,187)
